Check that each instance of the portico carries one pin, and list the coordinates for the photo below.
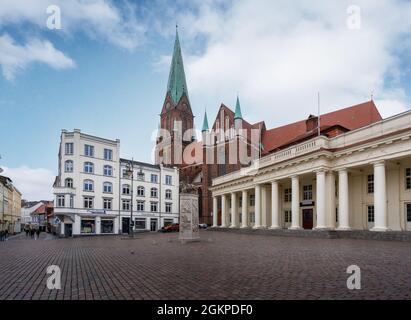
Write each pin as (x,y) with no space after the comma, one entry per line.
(354,181)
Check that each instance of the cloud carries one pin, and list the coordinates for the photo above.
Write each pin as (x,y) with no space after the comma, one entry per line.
(34,184)
(14,57)
(279,54)
(98,19)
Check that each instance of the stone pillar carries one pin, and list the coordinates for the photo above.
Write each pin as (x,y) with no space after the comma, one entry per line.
(295,203)
(343,201)
(380,198)
(257,206)
(234,210)
(98,225)
(330,193)
(320,205)
(223,211)
(244,209)
(215,211)
(275,217)
(263,206)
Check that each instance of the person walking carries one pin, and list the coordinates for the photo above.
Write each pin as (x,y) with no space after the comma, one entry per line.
(32,231)
(6,235)
(27,230)
(38,233)
(1,235)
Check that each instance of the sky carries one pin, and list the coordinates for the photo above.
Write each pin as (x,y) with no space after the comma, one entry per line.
(105,70)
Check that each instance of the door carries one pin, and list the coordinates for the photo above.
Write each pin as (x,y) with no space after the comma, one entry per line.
(307,218)
(126,225)
(68,230)
(408,216)
(153,224)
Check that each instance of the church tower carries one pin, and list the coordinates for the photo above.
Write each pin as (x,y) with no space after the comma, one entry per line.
(176,117)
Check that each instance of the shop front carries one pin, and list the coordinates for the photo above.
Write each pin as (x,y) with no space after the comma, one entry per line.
(88,226)
(107,226)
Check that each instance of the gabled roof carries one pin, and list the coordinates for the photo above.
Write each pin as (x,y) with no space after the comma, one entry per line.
(351,118)
(177,85)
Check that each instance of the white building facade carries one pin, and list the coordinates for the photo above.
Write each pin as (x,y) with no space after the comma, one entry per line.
(360,180)
(89,198)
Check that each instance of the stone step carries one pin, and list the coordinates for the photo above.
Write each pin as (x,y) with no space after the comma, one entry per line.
(325,234)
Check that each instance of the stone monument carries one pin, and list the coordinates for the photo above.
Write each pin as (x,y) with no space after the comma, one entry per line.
(188,213)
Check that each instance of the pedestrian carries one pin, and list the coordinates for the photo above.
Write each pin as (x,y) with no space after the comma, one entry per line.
(6,234)
(38,233)
(32,231)
(27,230)
(1,235)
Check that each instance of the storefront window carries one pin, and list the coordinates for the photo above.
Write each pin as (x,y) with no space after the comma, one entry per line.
(167,222)
(107,226)
(140,223)
(88,226)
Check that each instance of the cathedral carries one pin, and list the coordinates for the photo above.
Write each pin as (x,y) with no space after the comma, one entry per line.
(210,157)
(303,175)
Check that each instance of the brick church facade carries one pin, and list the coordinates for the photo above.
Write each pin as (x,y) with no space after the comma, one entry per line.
(200,162)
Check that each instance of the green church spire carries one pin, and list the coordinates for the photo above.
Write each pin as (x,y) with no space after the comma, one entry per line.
(238,114)
(205,122)
(177,85)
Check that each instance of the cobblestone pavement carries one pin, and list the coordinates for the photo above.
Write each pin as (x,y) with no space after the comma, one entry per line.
(222,265)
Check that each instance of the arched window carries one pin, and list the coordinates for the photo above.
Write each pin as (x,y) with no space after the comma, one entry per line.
(108,170)
(125,189)
(68,183)
(168,194)
(140,191)
(88,185)
(88,167)
(68,166)
(107,187)
(153,192)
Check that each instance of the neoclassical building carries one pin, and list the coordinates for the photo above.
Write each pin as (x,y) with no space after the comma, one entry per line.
(353,173)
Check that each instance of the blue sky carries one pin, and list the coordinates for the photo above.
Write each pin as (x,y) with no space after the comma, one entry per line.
(105,72)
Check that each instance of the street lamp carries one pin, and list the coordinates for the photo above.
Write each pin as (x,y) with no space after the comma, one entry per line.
(130,173)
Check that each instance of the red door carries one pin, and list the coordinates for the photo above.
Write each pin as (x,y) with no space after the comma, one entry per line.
(307,218)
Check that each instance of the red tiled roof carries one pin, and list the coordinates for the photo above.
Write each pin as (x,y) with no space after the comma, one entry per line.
(352,118)
(42,209)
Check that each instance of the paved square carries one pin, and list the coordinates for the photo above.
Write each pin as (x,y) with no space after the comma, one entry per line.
(221,266)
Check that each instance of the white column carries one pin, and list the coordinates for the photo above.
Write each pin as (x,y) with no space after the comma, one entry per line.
(275,221)
(257,206)
(215,211)
(295,203)
(98,225)
(330,211)
(234,210)
(320,205)
(380,198)
(244,209)
(223,211)
(264,206)
(343,202)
